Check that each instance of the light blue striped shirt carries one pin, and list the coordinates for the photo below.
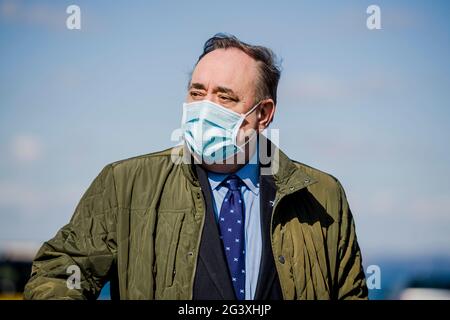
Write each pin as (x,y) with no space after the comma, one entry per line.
(249,174)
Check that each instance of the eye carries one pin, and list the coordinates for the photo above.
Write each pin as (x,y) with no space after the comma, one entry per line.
(195,94)
(225,98)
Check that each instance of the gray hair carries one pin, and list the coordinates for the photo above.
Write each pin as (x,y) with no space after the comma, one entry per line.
(269,69)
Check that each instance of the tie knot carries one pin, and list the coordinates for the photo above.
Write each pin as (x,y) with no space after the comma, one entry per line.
(233,182)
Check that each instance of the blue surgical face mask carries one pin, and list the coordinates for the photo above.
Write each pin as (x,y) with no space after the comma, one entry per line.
(210,130)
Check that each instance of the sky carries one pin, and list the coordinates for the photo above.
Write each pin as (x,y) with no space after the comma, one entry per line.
(370,107)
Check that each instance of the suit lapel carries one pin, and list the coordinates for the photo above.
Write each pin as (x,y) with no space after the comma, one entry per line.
(211,249)
(267,271)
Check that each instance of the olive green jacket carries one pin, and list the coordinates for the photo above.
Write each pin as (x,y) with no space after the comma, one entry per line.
(140,222)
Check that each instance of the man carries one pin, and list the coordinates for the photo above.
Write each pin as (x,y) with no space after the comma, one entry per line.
(225,215)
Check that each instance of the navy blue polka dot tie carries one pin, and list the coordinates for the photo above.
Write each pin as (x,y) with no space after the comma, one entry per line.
(231,222)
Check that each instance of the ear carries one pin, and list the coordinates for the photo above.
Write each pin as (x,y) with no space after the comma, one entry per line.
(265,115)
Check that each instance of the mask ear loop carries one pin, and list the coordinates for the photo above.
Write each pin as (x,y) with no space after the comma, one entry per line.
(239,124)
(252,109)
(240,148)
(251,138)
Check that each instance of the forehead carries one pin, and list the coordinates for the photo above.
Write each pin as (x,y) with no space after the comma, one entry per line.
(229,68)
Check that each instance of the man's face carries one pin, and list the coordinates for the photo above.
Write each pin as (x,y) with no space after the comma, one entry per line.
(227,77)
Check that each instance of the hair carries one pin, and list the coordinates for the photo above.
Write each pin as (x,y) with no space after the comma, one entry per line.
(269,68)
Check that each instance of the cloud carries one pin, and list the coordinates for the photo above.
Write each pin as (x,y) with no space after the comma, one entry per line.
(18,12)
(51,16)
(29,199)
(318,86)
(32,211)
(340,89)
(26,148)
(435,207)
(401,221)
(411,204)
(8,8)
(22,197)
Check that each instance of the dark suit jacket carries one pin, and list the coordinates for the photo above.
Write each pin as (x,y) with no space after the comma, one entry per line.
(212,279)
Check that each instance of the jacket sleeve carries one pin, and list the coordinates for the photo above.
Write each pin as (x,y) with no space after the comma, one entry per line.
(351,280)
(87,243)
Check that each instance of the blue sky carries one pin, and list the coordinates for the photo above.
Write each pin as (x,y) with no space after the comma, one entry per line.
(370,107)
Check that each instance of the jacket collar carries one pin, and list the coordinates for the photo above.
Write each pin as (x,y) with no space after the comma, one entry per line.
(288,177)
(249,174)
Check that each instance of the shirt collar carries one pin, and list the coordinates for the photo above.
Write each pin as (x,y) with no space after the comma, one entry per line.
(249,174)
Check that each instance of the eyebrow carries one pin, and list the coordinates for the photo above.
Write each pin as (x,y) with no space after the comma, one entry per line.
(197,85)
(226,90)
